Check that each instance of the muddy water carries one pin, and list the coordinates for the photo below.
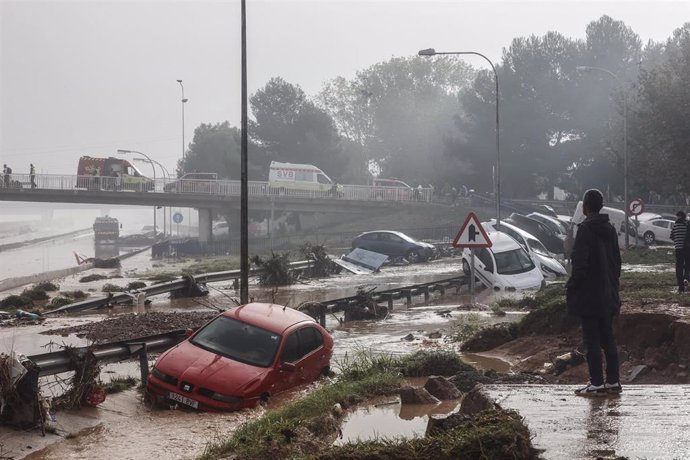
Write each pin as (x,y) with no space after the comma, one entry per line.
(390,419)
(645,421)
(123,424)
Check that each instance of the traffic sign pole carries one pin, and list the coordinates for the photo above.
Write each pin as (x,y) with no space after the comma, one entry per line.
(635,207)
(472,276)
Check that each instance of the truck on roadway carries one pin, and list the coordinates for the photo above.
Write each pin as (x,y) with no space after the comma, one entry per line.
(111,174)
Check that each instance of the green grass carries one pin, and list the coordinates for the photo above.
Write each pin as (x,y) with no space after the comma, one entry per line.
(646,256)
(466,326)
(364,376)
(490,435)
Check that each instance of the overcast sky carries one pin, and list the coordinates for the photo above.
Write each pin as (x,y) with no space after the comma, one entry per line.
(89,77)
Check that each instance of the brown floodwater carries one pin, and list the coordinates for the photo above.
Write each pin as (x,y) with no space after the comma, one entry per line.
(390,419)
(125,427)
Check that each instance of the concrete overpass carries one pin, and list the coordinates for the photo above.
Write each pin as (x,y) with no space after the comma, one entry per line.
(207,196)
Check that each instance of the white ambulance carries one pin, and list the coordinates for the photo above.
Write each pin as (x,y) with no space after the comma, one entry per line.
(286,177)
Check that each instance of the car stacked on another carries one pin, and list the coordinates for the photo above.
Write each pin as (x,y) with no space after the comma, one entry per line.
(550,238)
(505,265)
(549,266)
(241,357)
(394,244)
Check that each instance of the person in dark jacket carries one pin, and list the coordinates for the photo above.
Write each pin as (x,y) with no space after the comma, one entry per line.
(592,293)
(679,237)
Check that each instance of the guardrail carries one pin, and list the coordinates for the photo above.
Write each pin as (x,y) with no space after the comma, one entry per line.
(162,288)
(213,187)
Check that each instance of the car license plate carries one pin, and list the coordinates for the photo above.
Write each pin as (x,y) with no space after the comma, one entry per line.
(184,400)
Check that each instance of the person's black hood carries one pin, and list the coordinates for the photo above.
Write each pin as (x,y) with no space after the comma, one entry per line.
(598,223)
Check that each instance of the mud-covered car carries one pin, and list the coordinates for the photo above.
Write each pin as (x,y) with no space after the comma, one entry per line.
(242,356)
(394,244)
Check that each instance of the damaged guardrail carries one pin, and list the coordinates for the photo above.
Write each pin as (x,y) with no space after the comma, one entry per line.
(187,282)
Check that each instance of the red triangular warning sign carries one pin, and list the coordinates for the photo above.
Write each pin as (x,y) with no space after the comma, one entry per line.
(472,234)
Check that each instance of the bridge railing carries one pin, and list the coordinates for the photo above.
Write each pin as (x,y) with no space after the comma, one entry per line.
(212,187)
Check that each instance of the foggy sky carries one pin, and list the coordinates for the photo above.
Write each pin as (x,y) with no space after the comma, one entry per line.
(87,78)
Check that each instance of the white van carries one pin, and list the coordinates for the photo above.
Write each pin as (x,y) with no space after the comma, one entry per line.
(286,177)
(616,217)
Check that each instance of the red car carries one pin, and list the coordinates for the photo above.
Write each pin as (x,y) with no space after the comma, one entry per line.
(242,356)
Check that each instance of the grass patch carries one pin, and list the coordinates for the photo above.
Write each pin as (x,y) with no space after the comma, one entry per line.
(58,302)
(108,287)
(76,295)
(465,327)
(491,337)
(119,384)
(48,286)
(490,435)
(643,288)
(364,376)
(15,301)
(423,363)
(35,293)
(647,256)
(269,436)
(94,277)
(135,285)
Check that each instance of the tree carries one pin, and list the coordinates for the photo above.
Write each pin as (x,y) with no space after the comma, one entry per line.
(660,126)
(291,128)
(399,112)
(216,148)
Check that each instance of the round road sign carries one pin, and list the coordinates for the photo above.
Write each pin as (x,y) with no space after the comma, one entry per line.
(177,217)
(636,207)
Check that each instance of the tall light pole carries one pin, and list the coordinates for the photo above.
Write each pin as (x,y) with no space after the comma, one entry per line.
(184,101)
(125,152)
(244,201)
(497,172)
(584,68)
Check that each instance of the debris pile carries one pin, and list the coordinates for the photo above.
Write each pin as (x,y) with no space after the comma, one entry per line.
(276,269)
(365,307)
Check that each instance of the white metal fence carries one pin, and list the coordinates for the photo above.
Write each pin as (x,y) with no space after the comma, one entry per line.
(209,187)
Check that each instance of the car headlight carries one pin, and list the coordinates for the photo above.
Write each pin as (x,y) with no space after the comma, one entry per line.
(227,398)
(162,376)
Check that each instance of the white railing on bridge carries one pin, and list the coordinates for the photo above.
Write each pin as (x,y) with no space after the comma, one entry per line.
(210,187)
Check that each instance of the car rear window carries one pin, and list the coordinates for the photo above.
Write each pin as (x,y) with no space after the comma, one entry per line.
(238,341)
(513,262)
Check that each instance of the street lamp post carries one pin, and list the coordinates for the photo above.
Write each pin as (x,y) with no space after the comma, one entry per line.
(184,101)
(584,68)
(497,172)
(125,152)
(244,184)
(166,177)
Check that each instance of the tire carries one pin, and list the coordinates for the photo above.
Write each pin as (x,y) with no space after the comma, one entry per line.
(649,238)
(465,267)
(413,256)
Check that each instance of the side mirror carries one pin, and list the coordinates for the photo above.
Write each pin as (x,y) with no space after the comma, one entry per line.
(288,367)
(188,332)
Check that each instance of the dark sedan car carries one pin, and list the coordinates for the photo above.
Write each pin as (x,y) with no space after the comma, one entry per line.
(547,236)
(394,244)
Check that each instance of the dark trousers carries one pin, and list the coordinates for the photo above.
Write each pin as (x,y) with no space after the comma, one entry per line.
(597,334)
(682,267)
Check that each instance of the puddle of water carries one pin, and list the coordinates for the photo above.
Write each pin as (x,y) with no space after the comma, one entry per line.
(486,362)
(390,420)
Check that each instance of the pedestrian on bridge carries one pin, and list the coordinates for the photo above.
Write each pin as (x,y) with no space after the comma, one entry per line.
(32,175)
(592,293)
(6,171)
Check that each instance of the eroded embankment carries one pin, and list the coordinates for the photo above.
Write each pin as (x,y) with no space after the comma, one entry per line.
(652,331)
(308,427)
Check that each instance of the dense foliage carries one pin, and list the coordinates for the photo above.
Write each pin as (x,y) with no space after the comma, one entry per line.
(432,120)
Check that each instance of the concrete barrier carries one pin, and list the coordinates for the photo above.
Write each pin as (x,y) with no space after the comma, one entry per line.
(11,283)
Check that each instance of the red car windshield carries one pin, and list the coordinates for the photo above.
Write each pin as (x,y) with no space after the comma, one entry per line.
(238,341)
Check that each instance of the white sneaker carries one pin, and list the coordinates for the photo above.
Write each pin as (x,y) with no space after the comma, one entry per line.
(613,387)
(591,390)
